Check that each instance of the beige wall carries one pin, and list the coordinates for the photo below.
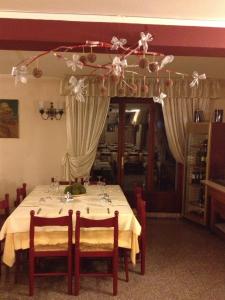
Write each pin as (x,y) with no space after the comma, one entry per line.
(36,155)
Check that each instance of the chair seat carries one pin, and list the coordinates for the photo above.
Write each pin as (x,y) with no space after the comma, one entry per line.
(57,247)
(95,247)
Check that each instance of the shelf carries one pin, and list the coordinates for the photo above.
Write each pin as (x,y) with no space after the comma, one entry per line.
(197,166)
(195,217)
(200,207)
(220,226)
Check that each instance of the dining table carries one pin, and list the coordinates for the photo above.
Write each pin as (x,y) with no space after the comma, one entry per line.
(99,202)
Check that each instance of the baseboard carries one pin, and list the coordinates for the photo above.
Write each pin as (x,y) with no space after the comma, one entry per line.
(163,215)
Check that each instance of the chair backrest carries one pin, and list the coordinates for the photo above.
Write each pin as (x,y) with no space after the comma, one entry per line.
(141,214)
(103,223)
(24,190)
(4,205)
(138,191)
(19,196)
(57,221)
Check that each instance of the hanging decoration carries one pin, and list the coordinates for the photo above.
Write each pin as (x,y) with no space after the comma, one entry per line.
(77,88)
(117,69)
(160,98)
(196,78)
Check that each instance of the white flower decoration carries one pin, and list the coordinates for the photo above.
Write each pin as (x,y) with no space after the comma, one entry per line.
(74,63)
(196,78)
(160,98)
(20,74)
(117,43)
(143,42)
(119,65)
(77,88)
(166,60)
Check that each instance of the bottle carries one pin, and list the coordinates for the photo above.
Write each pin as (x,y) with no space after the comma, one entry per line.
(198,157)
(193,177)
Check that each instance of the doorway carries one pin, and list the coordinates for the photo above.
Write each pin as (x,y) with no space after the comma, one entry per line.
(133,149)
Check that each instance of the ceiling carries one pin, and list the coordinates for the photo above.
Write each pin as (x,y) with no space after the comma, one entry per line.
(181,10)
(148,11)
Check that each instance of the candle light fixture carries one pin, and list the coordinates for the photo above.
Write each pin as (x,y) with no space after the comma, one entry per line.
(51,112)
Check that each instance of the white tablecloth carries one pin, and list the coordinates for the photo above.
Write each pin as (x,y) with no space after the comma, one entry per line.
(52,204)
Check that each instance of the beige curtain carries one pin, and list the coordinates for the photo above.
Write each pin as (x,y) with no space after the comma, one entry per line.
(177,112)
(84,123)
(180,104)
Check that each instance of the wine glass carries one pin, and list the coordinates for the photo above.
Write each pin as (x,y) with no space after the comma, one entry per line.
(87,181)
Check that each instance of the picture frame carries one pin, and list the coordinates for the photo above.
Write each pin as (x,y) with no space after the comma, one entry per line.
(9,118)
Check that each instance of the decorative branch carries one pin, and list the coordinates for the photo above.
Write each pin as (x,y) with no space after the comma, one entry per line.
(116,67)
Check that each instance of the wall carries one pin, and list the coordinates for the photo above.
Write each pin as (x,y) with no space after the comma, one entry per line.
(36,155)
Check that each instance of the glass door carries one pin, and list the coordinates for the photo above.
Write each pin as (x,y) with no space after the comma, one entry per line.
(133,149)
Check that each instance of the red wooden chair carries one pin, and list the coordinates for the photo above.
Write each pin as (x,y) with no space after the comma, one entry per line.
(141,215)
(52,251)
(4,206)
(138,193)
(24,190)
(106,251)
(19,196)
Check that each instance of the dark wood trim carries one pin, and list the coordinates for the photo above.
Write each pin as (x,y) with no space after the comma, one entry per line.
(217,206)
(179,185)
(121,143)
(151,147)
(25,34)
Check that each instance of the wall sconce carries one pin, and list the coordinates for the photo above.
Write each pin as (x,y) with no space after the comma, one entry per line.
(50,112)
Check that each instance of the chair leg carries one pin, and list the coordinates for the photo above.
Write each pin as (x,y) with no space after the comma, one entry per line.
(31,276)
(70,275)
(143,260)
(77,275)
(115,275)
(126,262)
(17,264)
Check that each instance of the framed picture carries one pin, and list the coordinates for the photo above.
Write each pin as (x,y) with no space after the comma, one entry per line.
(9,118)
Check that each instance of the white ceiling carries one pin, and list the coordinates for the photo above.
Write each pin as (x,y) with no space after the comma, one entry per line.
(203,10)
(182,9)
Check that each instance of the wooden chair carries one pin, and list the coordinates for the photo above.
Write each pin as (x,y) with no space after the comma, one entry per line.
(4,206)
(138,193)
(21,193)
(52,251)
(106,251)
(141,215)
(24,190)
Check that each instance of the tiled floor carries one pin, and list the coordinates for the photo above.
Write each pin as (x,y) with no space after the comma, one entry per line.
(184,261)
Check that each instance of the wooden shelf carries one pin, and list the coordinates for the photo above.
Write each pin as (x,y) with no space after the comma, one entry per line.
(195,217)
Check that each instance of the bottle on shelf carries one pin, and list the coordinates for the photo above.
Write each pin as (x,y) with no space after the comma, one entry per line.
(203,152)
(202,196)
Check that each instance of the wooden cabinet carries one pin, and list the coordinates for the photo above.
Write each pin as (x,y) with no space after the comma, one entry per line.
(205,159)
(196,169)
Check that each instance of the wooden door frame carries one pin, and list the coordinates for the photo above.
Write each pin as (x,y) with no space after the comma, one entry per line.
(122,101)
(164,201)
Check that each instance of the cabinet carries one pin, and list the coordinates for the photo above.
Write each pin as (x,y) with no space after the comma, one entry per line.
(195,203)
